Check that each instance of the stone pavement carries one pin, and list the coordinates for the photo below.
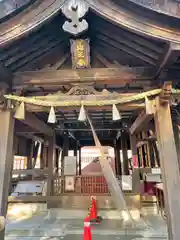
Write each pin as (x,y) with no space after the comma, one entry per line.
(46,227)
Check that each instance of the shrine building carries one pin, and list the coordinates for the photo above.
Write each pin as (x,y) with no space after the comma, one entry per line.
(89,102)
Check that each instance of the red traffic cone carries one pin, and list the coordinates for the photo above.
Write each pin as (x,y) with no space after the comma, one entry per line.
(93,212)
(87,230)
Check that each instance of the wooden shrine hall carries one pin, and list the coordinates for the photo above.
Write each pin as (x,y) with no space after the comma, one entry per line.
(115,62)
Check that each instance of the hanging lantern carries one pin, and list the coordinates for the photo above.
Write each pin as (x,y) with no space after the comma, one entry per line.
(82,114)
(115,113)
(52,116)
(20,112)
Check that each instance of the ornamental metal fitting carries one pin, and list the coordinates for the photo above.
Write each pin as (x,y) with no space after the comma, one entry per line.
(75,10)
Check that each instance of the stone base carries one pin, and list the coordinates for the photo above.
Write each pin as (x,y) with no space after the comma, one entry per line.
(57,213)
(83,202)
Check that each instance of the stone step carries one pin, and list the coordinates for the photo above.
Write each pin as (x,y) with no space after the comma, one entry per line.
(57,233)
(95,236)
(81,214)
(39,227)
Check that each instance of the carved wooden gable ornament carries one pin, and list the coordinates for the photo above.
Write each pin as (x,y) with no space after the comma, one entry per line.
(80,52)
(75,10)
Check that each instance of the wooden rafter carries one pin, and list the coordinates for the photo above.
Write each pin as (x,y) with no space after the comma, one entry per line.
(37,54)
(124,107)
(5,76)
(60,77)
(141,122)
(169,56)
(126,49)
(103,60)
(133,22)
(57,65)
(28,20)
(35,123)
(33,48)
(128,35)
(126,42)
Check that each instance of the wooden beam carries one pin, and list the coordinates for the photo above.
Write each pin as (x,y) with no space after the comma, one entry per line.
(117,149)
(125,154)
(103,60)
(38,53)
(6,160)
(34,172)
(120,39)
(169,56)
(5,76)
(30,144)
(128,35)
(136,183)
(124,107)
(93,75)
(57,65)
(169,167)
(32,121)
(34,48)
(177,141)
(140,123)
(131,51)
(80,158)
(51,159)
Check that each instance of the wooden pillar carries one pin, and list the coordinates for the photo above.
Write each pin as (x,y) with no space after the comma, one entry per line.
(79,160)
(64,153)
(51,160)
(29,153)
(117,158)
(6,159)
(124,154)
(45,155)
(57,159)
(156,153)
(35,153)
(152,154)
(177,141)
(135,170)
(75,155)
(42,160)
(169,167)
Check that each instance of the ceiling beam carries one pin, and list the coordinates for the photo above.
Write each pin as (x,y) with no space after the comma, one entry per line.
(103,60)
(5,75)
(126,42)
(129,35)
(93,75)
(36,54)
(126,49)
(22,45)
(167,58)
(57,65)
(35,123)
(124,107)
(140,123)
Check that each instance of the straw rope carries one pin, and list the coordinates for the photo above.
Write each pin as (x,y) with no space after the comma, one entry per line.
(118,100)
(58,103)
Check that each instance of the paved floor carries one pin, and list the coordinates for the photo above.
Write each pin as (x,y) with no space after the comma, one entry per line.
(40,227)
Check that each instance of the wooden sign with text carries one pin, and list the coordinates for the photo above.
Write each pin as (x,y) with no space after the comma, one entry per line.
(80,51)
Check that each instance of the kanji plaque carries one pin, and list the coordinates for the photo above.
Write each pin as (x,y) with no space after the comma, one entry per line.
(80,51)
